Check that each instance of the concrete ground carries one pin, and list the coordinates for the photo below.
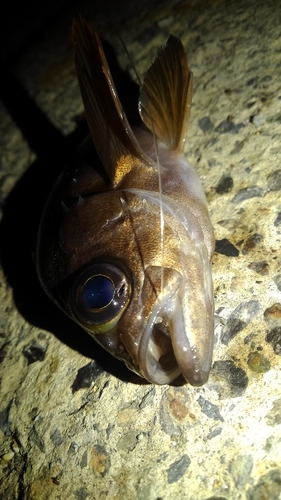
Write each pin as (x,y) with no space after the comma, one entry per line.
(74,423)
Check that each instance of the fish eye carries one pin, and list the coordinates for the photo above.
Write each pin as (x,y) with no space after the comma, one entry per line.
(100,295)
(97,292)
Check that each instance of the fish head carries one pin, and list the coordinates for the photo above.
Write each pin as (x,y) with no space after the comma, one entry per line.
(146,301)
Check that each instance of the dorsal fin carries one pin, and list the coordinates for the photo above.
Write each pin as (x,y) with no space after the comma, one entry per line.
(110,129)
(166,93)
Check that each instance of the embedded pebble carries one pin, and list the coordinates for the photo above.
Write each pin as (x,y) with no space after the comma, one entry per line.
(277,221)
(272,314)
(241,468)
(8,456)
(273,417)
(209,409)
(239,319)
(229,380)
(267,488)
(178,469)
(247,193)
(261,267)
(86,376)
(258,363)
(274,180)
(251,243)
(227,126)
(85,432)
(205,124)
(34,352)
(277,281)
(225,184)
(273,337)
(258,120)
(224,247)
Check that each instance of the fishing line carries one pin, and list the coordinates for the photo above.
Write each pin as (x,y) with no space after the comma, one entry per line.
(130,60)
(160,209)
(158,169)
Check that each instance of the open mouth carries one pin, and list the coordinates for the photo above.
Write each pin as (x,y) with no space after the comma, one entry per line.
(165,351)
(157,360)
(177,337)
(161,359)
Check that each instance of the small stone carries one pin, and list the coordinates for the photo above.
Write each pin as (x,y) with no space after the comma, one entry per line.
(225,184)
(258,120)
(228,126)
(205,124)
(237,148)
(175,413)
(209,409)
(252,82)
(247,193)
(8,456)
(274,338)
(277,221)
(239,319)
(229,381)
(260,267)
(86,376)
(73,448)
(273,417)
(274,180)
(34,352)
(212,162)
(4,419)
(216,498)
(214,433)
(268,487)
(251,243)
(178,469)
(272,315)
(82,494)
(56,437)
(127,442)
(277,281)
(241,468)
(84,460)
(100,460)
(258,363)
(224,247)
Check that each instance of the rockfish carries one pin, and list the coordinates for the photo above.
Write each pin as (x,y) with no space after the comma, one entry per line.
(126,251)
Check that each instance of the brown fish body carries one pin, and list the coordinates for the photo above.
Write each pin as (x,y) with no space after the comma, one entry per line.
(144,293)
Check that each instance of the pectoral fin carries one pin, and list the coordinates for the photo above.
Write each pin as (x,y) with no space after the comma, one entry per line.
(166,93)
(110,129)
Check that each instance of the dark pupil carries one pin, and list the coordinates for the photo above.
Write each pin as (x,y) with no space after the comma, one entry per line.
(97,292)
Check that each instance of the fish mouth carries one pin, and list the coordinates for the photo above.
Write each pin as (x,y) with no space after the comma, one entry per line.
(159,364)
(165,350)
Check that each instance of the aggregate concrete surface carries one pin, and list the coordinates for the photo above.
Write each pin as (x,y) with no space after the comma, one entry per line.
(74,423)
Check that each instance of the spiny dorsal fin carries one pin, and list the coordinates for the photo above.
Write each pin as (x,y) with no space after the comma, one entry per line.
(166,93)
(110,129)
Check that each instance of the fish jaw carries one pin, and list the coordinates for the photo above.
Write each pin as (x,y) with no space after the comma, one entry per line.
(178,337)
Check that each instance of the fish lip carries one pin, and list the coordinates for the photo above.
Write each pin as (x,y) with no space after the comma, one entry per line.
(156,359)
(164,355)
(157,362)
(189,358)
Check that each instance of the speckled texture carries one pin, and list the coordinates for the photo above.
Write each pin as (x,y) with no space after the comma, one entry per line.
(76,425)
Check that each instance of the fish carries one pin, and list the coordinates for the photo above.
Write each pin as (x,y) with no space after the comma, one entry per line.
(125,242)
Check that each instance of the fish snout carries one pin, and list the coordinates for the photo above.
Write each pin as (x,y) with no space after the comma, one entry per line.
(178,337)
